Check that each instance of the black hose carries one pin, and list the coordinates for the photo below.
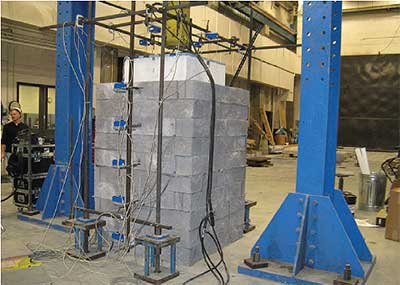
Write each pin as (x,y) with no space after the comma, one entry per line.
(209,218)
(9,196)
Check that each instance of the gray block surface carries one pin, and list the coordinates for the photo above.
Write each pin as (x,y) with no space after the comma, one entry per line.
(186,129)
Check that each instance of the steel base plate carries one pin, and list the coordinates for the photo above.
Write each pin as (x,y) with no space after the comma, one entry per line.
(282,272)
(158,278)
(30,212)
(256,264)
(341,281)
(87,256)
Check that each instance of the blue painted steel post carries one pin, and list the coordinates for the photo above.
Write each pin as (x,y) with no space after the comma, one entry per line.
(70,84)
(152,256)
(314,228)
(172,261)
(99,233)
(319,105)
(146,259)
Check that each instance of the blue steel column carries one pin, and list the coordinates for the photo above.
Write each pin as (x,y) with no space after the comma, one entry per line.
(320,76)
(54,198)
(313,229)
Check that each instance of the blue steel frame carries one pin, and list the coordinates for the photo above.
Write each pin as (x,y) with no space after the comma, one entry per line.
(54,199)
(314,229)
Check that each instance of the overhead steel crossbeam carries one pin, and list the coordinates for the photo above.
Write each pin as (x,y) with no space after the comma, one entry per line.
(261,17)
(253,48)
(234,45)
(246,55)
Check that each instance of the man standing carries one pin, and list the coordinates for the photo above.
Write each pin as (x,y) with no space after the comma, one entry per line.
(10,131)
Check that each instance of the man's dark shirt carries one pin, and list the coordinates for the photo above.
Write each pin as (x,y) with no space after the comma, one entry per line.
(10,131)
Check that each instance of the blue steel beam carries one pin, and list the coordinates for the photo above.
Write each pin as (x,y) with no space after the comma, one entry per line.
(54,199)
(313,231)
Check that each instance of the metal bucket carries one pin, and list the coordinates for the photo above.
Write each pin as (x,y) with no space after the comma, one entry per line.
(372,191)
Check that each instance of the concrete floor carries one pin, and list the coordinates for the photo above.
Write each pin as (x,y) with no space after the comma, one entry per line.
(268,186)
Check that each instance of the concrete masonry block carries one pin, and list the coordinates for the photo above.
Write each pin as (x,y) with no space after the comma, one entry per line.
(236,174)
(191,146)
(235,190)
(236,159)
(236,221)
(104,157)
(237,96)
(239,143)
(149,161)
(184,256)
(188,184)
(111,141)
(230,144)
(148,144)
(112,108)
(149,107)
(236,204)
(186,108)
(194,90)
(237,127)
(105,204)
(105,91)
(179,220)
(147,91)
(218,178)
(232,112)
(185,202)
(144,179)
(221,129)
(192,127)
(106,190)
(220,201)
(115,177)
(149,126)
(191,165)
(106,125)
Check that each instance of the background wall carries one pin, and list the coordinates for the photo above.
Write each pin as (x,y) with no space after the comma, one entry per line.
(44,13)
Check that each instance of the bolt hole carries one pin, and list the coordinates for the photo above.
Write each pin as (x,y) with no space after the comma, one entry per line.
(309,3)
(308,19)
(334,55)
(322,47)
(309,34)
(322,79)
(322,64)
(308,49)
(323,33)
(307,78)
(323,17)
(308,64)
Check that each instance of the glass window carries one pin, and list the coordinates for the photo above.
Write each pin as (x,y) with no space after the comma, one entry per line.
(29,100)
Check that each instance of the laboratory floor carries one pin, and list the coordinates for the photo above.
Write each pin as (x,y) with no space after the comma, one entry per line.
(268,186)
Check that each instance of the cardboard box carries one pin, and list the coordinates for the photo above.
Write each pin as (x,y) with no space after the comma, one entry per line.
(393,218)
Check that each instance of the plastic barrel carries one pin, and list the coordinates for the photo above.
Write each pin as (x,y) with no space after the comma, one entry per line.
(372,190)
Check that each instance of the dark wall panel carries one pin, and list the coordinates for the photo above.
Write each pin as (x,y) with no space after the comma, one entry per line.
(370,102)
